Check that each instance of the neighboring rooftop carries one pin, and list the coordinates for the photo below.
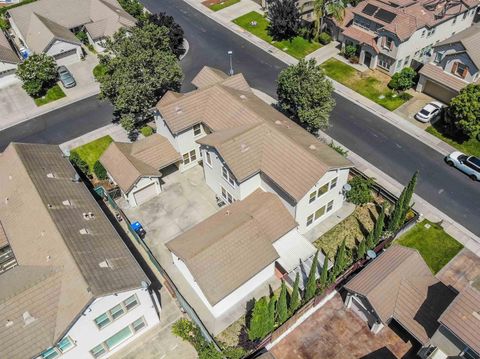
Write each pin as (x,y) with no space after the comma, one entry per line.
(128,162)
(230,247)
(6,52)
(462,317)
(399,285)
(68,253)
(250,135)
(470,40)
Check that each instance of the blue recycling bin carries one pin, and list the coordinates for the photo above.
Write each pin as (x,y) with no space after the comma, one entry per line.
(137,227)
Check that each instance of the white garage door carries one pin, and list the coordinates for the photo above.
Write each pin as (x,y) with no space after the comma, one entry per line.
(145,194)
(439,92)
(67,57)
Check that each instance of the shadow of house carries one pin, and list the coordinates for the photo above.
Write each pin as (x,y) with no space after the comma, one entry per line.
(382,353)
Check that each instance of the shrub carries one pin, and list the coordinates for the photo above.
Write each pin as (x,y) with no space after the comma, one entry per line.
(354,59)
(324,38)
(37,73)
(350,51)
(100,171)
(79,163)
(403,80)
(360,192)
(82,36)
(99,72)
(146,131)
(259,327)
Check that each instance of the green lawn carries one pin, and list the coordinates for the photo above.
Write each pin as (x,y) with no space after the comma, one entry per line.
(298,47)
(53,93)
(91,152)
(223,5)
(99,71)
(434,244)
(368,86)
(468,146)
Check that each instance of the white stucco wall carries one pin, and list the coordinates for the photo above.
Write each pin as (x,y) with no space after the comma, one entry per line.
(142,183)
(240,296)
(59,47)
(86,334)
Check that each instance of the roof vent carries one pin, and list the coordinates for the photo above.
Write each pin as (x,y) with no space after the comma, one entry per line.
(244,148)
(48,258)
(27,318)
(10,178)
(105,264)
(227,212)
(76,177)
(312,147)
(51,175)
(178,110)
(49,205)
(84,231)
(476,315)
(278,122)
(6,200)
(243,97)
(9,323)
(67,203)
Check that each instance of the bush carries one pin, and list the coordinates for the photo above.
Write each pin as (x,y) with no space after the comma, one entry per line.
(324,38)
(338,149)
(354,59)
(79,163)
(37,73)
(82,36)
(146,131)
(100,171)
(403,80)
(361,192)
(350,51)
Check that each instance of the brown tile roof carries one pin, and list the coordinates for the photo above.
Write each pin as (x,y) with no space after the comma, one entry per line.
(361,36)
(42,213)
(230,247)
(437,74)
(399,285)
(277,144)
(128,162)
(462,317)
(470,39)
(6,52)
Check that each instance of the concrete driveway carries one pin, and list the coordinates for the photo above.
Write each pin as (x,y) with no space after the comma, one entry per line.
(412,106)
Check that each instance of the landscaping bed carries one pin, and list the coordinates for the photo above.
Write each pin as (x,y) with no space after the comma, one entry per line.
(53,93)
(216,5)
(469,146)
(297,47)
(434,244)
(369,85)
(91,152)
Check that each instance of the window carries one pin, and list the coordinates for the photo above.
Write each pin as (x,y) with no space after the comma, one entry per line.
(407,60)
(98,351)
(322,190)
(227,196)
(189,157)
(63,346)
(102,320)
(384,62)
(138,325)
(131,302)
(309,220)
(469,354)
(459,69)
(208,158)
(464,16)
(438,57)
(319,212)
(227,176)
(50,353)
(313,196)
(333,183)
(423,32)
(454,20)
(431,32)
(116,312)
(399,63)
(388,42)
(329,206)
(118,338)
(197,129)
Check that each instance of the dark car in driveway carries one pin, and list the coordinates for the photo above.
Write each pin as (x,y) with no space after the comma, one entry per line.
(66,77)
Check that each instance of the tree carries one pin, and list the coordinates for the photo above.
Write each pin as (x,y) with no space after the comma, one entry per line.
(311,281)
(408,196)
(361,190)
(403,80)
(272,311)
(322,8)
(370,241)
(362,250)
(402,205)
(324,274)
(128,123)
(465,110)
(79,163)
(175,31)
(285,19)
(133,7)
(282,308)
(305,94)
(350,51)
(100,171)
(295,298)
(258,324)
(139,68)
(38,73)
(379,224)
(340,259)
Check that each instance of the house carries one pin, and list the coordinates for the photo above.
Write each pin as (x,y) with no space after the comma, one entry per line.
(49,26)
(454,64)
(399,286)
(9,61)
(71,289)
(393,34)
(239,249)
(245,144)
(137,167)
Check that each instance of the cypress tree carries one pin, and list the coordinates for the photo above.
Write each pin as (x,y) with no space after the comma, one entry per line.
(339,264)
(370,242)
(362,250)
(324,274)
(379,224)
(258,323)
(295,298)
(311,282)
(270,322)
(282,309)
(408,197)
(394,219)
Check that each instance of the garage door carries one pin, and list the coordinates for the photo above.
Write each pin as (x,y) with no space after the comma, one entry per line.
(145,194)
(67,57)
(439,92)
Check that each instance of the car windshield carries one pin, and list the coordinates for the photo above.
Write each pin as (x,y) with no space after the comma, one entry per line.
(424,112)
(462,158)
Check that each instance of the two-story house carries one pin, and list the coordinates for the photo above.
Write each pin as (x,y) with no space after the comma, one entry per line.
(70,288)
(390,34)
(245,144)
(454,64)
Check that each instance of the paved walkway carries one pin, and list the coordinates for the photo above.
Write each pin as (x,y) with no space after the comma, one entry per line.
(243,7)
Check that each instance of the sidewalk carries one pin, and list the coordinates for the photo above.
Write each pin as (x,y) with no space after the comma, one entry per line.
(223,17)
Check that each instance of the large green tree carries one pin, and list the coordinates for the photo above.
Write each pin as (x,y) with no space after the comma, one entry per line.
(340,259)
(284,19)
(311,287)
(379,224)
(139,68)
(465,110)
(305,94)
(282,307)
(133,7)
(397,218)
(272,314)
(323,8)
(37,73)
(258,328)
(175,31)
(295,298)
(324,275)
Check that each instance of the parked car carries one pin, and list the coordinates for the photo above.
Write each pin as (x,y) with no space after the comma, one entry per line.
(66,77)
(429,111)
(467,164)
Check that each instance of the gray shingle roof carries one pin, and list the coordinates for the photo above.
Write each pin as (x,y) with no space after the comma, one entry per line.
(470,39)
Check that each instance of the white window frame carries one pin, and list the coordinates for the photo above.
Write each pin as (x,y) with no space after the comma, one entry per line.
(189,157)
(227,176)
(208,158)
(227,196)
(197,130)
(309,220)
(329,206)
(333,183)
(313,197)
(326,186)
(123,306)
(57,349)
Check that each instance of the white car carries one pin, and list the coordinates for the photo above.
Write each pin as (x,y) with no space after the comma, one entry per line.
(467,164)
(429,111)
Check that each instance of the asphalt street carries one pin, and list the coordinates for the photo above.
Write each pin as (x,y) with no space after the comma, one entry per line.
(388,148)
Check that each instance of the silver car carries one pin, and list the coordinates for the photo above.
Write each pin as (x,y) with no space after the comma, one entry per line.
(429,112)
(467,164)
(66,77)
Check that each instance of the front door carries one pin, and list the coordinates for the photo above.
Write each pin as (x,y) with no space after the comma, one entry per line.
(368,59)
